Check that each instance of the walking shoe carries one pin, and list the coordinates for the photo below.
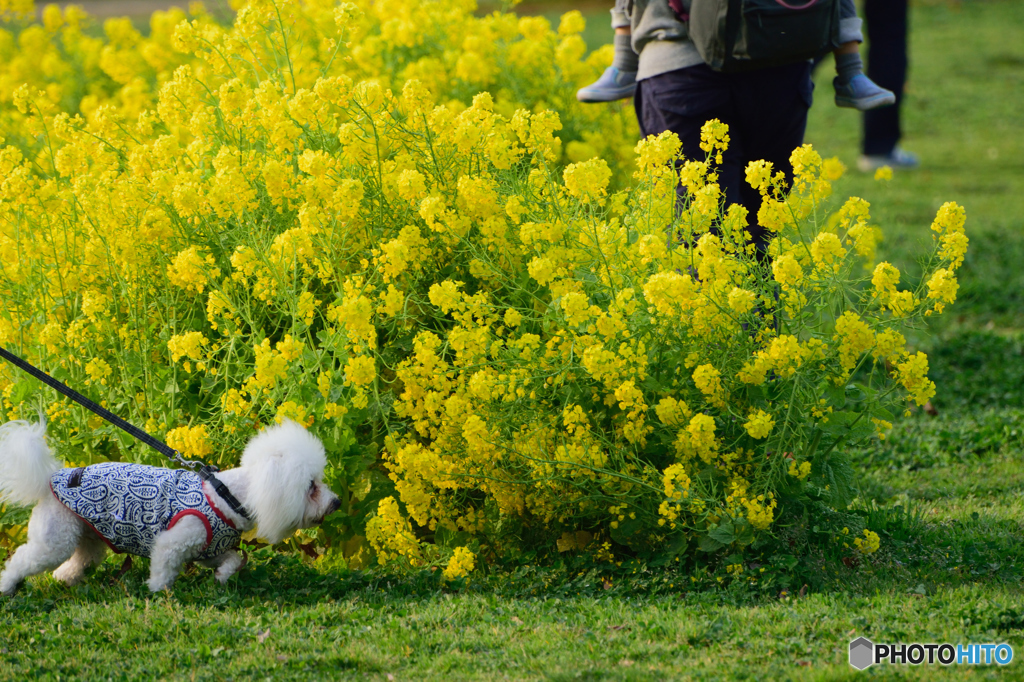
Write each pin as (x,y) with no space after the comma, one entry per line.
(897,159)
(862,93)
(612,85)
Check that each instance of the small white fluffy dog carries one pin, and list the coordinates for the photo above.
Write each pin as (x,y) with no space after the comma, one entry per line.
(138,509)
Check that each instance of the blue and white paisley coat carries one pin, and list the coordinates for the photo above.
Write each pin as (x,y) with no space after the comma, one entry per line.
(128,505)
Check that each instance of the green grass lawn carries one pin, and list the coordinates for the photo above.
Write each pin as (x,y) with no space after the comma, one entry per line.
(946,492)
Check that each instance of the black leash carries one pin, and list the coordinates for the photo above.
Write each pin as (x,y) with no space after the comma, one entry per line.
(206,472)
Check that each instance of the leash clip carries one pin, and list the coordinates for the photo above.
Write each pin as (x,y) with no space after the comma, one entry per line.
(187,463)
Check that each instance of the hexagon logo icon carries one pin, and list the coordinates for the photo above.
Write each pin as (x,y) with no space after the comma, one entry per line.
(861,653)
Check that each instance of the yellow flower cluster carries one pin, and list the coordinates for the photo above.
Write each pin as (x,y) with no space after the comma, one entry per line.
(868,544)
(759,424)
(191,271)
(188,345)
(801,470)
(462,563)
(394,223)
(391,536)
(760,511)
(191,441)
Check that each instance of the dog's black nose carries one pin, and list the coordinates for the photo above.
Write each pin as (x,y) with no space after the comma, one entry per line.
(334,506)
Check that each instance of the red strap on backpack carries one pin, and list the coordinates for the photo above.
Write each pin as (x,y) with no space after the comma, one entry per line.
(677,7)
(797,7)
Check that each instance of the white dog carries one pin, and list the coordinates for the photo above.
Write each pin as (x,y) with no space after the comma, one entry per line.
(172,516)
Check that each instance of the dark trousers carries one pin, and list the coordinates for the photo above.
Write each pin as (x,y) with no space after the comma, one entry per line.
(887,65)
(766,111)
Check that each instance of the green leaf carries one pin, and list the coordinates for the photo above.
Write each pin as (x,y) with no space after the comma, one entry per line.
(838,475)
(857,393)
(788,561)
(450,538)
(675,546)
(849,427)
(725,532)
(838,423)
(709,544)
(835,395)
(744,532)
(22,390)
(626,530)
(880,412)
(860,431)
(652,385)
(15,516)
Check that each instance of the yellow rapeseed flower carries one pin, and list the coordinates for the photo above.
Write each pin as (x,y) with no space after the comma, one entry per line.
(759,424)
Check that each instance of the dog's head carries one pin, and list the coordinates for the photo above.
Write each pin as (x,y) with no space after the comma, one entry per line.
(284,465)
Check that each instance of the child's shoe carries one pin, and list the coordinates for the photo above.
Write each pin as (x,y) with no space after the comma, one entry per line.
(862,93)
(612,85)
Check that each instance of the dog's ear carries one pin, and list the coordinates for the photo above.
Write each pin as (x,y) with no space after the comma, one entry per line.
(280,462)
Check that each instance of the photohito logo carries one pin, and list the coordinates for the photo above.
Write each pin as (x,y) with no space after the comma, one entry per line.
(864,653)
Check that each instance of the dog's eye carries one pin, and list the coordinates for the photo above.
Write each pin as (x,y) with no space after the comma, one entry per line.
(312,488)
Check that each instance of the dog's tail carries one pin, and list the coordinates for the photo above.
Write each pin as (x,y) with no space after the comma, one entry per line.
(26,463)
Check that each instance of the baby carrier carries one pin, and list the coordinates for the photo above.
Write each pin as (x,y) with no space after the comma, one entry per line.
(741,35)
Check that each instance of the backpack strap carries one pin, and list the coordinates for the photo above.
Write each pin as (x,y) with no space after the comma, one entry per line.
(682,13)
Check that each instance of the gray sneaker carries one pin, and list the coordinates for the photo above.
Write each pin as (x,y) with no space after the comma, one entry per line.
(612,85)
(897,159)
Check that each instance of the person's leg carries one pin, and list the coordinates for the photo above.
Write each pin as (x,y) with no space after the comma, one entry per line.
(849,23)
(621,13)
(853,89)
(766,111)
(619,80)
(887,66)
(773,106)
(625,60)
(682,101)
(849,31)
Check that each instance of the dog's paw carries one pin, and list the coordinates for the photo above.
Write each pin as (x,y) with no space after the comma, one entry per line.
(69,575)
(8,586)
(224,573)
(155,585)
(229,567)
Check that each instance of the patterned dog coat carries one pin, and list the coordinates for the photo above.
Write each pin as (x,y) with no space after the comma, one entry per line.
(128,505)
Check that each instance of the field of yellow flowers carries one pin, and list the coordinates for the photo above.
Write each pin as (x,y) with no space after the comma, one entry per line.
(392,222)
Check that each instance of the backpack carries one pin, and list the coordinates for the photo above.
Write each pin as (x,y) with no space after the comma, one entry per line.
(741,35)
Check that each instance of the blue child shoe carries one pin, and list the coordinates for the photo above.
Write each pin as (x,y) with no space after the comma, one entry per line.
(862,93)
(612,85)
